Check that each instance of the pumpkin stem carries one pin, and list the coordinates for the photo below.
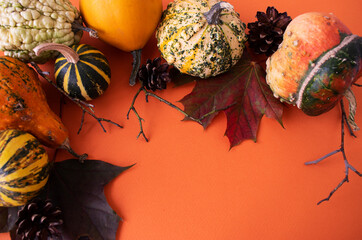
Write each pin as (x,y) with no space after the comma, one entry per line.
(76,26)
(67,52)
(213,16)
(135,66)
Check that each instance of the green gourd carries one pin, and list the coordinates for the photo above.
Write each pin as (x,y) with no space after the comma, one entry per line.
(201,38)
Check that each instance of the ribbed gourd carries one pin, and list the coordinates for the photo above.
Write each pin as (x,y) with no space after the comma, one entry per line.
(24,167)
(316,64)
(201,38)
(82,71)
(26,23)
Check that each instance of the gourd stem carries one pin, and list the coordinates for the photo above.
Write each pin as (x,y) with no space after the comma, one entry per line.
(67,52)
(213,16)
(76,26)
(352,104)
(135,66)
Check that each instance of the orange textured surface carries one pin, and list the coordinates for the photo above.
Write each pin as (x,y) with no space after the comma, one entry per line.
(187,184)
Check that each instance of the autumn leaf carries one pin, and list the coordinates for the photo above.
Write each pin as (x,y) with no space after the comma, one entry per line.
(78,189)
(8,217)
(241,93)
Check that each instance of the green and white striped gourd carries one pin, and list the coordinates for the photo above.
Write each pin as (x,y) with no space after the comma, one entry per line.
(201,38)
(24,167)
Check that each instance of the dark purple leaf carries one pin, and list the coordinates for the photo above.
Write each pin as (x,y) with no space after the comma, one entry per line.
(77,188)
(8,217)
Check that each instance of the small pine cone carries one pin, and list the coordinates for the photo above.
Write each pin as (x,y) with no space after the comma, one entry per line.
(266,34)
(154,75)
(38,220)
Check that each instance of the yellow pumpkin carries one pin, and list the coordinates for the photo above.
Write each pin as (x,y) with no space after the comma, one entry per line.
(124,24)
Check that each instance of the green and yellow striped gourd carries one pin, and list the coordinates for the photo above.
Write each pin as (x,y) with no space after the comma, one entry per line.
(24,167)
(82,71)
(201,38)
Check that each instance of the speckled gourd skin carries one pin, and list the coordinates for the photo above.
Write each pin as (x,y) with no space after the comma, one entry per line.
(188,42)
(23,104)
(316,63)
(24,167)
(26,23)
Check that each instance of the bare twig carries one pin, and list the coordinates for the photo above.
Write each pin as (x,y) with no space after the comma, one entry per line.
(86,107)
(348,166)
(151,94)
(147,95)
(132,108)
(358,85)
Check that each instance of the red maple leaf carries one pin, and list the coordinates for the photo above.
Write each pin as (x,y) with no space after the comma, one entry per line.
(241,93)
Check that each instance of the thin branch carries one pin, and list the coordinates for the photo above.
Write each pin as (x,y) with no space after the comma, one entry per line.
(151,94)
(345,179)
(358,85)
(148,93)
(132,108)
(322,158)
(83,105)
(81,122)
(348,166)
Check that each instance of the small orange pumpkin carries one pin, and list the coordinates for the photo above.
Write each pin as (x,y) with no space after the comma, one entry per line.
(127,25)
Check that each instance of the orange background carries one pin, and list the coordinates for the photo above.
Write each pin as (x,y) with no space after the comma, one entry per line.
(187,184)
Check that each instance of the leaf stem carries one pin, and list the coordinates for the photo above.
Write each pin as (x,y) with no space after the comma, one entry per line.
(215,111)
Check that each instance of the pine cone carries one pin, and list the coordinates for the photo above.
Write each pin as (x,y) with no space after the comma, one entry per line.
(266,34)
(154,75)
(38,220)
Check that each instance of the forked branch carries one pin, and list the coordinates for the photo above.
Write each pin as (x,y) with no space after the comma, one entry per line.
(341,149)
(151,94)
